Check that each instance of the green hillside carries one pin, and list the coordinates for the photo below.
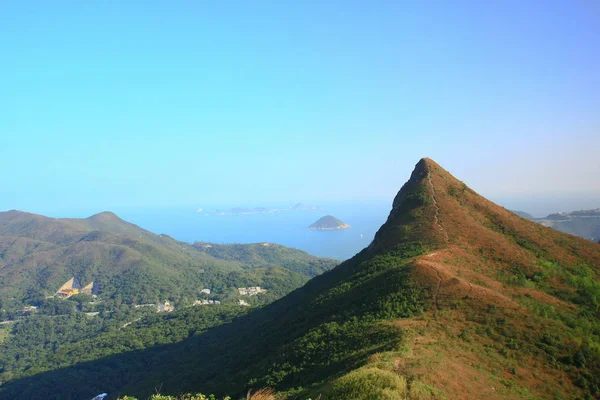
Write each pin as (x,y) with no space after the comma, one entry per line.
(38,254)
(129,267)
(455,298)
(259,255)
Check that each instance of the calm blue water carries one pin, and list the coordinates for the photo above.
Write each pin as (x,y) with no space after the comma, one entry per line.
(288,228)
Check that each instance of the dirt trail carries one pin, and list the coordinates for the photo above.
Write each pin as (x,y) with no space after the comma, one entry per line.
(439,282)
(437,289)
(437,208)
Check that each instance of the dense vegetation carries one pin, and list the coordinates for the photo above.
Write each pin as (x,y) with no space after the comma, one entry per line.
(263,394)
(43,342)
(133,265)
(318,332)
(455,296)
(259,255)
(569,337)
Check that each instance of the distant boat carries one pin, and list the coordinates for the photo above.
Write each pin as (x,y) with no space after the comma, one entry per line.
(199,210)
(361,235)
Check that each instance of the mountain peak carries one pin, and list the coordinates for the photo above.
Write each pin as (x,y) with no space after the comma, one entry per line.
(460,284)
(426,162)
(104,215)
(415,214)
(439,211)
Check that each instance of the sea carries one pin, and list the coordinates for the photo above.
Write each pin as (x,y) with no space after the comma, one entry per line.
(285,227)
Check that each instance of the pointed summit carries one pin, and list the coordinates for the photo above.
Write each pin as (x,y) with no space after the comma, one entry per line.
(415,214)
(436,209)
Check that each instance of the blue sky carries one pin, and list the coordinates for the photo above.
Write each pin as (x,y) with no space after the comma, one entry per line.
(108,104)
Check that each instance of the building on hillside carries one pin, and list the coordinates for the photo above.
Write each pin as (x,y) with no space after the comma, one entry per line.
(91,288)
(205,291)
(73,287)
(243,303)
(250,291)
(165,307)
(69,288)
(92,314)
(145,305)
(205,302)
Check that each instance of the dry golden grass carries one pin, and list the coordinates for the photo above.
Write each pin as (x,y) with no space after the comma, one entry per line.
(263,394)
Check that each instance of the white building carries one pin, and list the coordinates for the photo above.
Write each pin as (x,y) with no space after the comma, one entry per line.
(250,291)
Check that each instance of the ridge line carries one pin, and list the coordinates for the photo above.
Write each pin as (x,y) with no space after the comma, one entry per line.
(437,208)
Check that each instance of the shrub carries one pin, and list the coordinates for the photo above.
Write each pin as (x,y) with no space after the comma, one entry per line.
(420,391)
(369,384)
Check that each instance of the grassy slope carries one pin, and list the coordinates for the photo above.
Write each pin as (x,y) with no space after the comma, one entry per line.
(455,298)
(512,300)
(493,298)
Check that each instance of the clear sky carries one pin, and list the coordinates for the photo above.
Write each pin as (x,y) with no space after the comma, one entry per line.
(113,104)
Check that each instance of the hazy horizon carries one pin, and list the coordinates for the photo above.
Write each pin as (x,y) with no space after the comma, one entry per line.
(108,106)
(537,206)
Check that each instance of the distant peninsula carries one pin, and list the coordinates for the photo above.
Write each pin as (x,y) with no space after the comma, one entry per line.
(328,223)
(584,223)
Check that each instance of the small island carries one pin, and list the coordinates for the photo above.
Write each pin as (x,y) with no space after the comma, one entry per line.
(328,223)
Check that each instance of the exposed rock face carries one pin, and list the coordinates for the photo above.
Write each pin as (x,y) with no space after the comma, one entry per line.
(328,223)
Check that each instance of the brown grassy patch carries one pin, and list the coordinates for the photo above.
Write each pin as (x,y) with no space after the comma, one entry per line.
(263,394)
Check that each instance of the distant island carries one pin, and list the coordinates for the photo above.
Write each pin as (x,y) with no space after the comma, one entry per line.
(328,223)
(245,211)
(301,207)
(264,210)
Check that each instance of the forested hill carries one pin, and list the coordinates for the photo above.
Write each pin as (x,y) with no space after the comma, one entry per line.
(38,254)
(456,297)
(132,273)
(258,255)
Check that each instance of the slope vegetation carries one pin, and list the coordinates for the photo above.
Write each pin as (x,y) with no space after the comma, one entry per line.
(456,297)
(38,254)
